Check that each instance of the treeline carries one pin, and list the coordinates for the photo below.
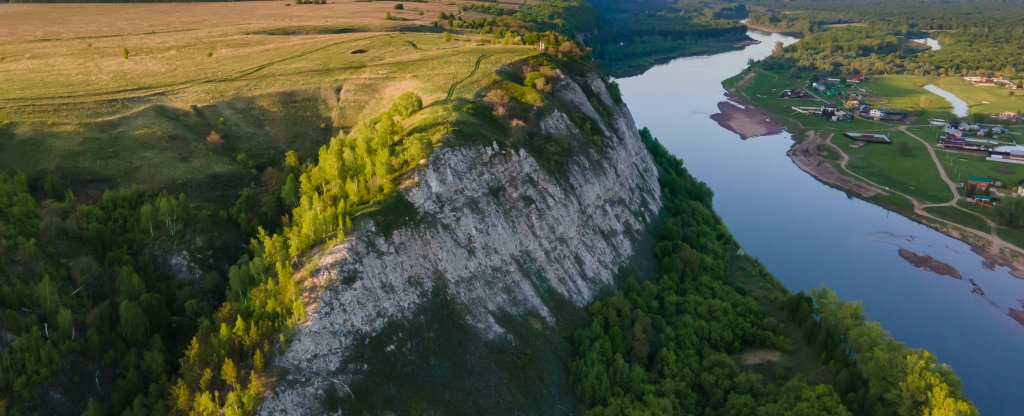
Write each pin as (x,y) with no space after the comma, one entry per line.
(978,37)
(848,50)
(669,345)
(875,374)
(222,370)
(98,298)
(637,35)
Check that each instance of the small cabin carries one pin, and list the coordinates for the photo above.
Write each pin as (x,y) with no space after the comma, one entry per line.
(981,184)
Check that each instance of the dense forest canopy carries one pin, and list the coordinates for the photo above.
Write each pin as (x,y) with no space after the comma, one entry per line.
(637,35)
(166,306)
(668,346)
(978,37)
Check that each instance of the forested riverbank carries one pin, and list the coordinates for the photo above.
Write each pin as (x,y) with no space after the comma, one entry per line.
(125,298)
(684,341)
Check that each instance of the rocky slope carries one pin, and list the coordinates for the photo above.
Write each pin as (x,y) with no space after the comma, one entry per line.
(496,236)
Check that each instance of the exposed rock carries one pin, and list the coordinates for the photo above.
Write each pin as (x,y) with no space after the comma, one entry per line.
(496,235)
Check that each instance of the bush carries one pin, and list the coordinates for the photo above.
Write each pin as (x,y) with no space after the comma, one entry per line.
(399,6)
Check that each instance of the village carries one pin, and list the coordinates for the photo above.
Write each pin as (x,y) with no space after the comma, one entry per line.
(849,99)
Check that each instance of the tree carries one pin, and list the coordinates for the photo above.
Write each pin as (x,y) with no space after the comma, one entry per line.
(124,53)
(133,321)
(229,373)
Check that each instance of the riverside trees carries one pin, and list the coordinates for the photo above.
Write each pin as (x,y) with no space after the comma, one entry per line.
(667,346)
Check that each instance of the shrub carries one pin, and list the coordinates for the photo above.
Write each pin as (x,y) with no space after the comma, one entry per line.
(399,6)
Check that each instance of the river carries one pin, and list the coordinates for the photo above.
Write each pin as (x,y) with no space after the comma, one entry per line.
(810,235)
(959,105)
(932,42)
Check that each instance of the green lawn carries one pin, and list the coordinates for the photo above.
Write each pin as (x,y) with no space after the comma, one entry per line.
(958,216)
(915,173)
(912,172)
(961,166)
(985,100)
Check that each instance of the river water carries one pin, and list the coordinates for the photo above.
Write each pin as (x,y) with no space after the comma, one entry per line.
(959,105)
(810,235)
(934,43)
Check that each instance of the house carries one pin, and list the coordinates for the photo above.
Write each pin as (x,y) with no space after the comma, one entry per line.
(952,140)
(983,200)
(856,78)
(982,133)
(981,184)
(876,113)
(952,130)
(821,88)
(1020,188)
(1008,115)
(1000,130)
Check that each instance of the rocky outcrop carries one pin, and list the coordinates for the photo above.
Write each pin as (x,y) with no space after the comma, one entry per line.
(496,234)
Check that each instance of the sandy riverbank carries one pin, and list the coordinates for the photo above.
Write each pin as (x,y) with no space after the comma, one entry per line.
(744,120)
(806,156)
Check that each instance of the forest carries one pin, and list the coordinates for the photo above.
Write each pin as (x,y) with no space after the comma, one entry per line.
(162,305)
(668,345)
(637,35)
(979,38)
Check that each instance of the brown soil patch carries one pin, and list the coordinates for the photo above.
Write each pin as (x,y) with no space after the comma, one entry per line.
(929,263)
(761,356)
(1017,315)
(806,157)
(745,121)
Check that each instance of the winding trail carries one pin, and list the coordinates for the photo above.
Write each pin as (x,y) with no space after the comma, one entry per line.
(1008,253)
(451,89)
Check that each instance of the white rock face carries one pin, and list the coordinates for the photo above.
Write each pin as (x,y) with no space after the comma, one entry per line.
(486,215)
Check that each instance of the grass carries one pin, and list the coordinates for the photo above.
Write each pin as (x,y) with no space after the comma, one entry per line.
(265,77)
(912,173)
(958,216)
(984,100)
(960,166)
(915,173)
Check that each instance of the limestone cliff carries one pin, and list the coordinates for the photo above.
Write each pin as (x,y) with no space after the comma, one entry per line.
(496,236)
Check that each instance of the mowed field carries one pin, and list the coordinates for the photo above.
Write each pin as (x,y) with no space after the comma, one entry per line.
(264,76)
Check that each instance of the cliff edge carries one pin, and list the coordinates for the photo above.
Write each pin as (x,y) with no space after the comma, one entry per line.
(500,252)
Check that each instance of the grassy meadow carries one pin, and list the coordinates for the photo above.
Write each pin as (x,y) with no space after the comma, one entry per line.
(190,97)
(904,166)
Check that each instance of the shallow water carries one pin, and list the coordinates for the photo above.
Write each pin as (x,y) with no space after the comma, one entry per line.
(959,105)
(934,43)
(810,235)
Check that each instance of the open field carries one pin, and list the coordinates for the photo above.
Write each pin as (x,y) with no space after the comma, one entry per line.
(263,76)
(906,167)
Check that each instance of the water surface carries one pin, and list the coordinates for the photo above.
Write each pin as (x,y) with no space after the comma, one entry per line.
(934,43)
(810,235)
(959,105)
